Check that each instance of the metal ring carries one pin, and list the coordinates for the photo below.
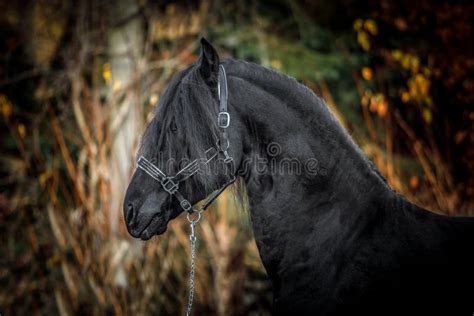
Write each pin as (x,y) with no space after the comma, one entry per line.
(194,220)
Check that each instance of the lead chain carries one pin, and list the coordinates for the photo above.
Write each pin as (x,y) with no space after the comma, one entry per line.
(192,239)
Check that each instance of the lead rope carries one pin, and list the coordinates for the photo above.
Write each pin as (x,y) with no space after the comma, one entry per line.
(192,239)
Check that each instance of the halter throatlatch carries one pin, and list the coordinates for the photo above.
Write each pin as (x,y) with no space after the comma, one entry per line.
(171,184)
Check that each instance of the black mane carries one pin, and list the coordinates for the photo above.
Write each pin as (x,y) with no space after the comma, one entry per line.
(190,105)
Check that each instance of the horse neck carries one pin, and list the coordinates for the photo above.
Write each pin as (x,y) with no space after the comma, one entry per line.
(290,208)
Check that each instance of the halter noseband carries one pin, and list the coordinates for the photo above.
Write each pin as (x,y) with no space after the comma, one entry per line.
(171,184)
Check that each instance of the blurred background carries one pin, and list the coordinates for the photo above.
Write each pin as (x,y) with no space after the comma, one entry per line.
(79,81)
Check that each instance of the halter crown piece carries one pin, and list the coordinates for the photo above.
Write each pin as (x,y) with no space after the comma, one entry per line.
(171,184)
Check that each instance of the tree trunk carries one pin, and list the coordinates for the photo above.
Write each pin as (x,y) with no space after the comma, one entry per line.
(125,50)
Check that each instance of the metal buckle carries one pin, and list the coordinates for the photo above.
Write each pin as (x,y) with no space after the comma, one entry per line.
(227,158)
(223,119)
(169,185)
(186,205)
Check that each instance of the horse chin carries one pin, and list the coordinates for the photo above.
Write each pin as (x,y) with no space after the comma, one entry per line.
(157,226)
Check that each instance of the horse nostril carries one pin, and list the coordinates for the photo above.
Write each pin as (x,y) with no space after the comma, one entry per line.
(129,216)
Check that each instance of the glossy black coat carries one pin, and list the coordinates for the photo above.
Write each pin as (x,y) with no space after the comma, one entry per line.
(335,241)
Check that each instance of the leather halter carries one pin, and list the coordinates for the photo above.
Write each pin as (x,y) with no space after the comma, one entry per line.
(171,184)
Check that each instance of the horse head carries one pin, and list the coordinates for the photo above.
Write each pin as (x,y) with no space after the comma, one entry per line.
(184,153)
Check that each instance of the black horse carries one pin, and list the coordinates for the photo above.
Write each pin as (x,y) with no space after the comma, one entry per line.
(334,238)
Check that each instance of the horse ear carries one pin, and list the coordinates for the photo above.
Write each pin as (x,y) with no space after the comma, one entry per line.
(208,63)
